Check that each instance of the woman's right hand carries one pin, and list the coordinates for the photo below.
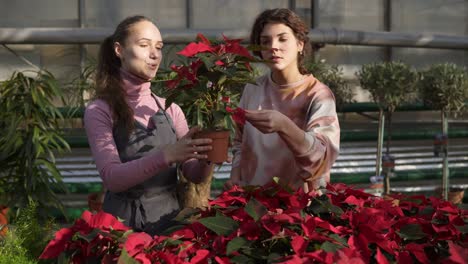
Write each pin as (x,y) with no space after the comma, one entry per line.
(234,180)
(187,148)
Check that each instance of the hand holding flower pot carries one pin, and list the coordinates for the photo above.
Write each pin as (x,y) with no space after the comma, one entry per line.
(207,84)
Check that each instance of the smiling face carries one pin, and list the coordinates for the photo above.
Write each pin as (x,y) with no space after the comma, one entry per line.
(282,47)
(141,52)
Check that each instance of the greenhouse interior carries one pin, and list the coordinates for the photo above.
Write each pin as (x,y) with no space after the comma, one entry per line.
(397,153)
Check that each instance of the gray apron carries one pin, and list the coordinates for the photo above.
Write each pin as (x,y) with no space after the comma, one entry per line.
(151,205)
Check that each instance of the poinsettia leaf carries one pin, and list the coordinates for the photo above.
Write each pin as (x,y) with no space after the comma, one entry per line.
(235,244)
(199,118)
(88,237)
(328,246)
(187,213)
(63,258)
(273,257)
(427,211)
(439,221)
(463,229)
(222,79)
(207,60)
(172,229)
(172,242)
(255,209)
(221,225)
(242,259)
(411,232)
(339,239)
(218,115)
(128,232)
(126,258)
(321,205)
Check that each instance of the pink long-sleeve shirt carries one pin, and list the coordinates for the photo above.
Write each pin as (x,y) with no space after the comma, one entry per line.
(311,106)
(118,176)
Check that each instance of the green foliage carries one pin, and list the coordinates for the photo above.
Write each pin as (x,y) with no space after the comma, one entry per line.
(444,87)
(220,224)
(206,81)
(29,137)
(332,76)
(34,234)
(390,83)
(26,238)
(78,87)
(12,250)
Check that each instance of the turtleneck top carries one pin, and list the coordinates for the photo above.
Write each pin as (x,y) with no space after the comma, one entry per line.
(98,123)
(311,106)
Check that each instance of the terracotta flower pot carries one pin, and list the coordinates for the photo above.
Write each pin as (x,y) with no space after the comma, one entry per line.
(220,145)
(3,220)
(95,201)
(455,196)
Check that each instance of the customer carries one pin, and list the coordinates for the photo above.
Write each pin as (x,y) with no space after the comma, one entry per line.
(137,145)
(292,130)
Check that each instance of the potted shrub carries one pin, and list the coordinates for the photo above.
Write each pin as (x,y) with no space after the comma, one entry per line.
(444,87)
(390,84)
(206,86)
(29,139)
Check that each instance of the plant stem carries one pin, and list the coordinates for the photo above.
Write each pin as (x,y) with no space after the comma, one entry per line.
(378,161)
(445,168)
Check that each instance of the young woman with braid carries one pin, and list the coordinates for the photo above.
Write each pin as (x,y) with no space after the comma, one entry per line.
(136,144)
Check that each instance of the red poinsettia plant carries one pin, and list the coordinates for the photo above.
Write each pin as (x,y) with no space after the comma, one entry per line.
(273,224)
(92,237)
(208,85)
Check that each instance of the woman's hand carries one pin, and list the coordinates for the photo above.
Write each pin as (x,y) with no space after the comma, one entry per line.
(235,179)
(187,148)
(267,121)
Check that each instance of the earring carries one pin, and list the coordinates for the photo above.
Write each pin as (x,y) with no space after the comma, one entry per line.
(300,52)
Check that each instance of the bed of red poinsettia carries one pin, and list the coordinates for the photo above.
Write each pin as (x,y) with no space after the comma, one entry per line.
(273,224)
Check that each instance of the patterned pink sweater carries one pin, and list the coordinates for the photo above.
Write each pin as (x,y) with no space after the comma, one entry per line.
(118,176)
(311,106)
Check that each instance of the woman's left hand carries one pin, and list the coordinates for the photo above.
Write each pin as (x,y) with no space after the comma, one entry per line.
(267,121)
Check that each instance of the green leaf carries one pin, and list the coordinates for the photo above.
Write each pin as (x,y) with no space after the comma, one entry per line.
(339,239)
(322,204)
(88,237)
(219,224)
(235,244)
(242,259)
(273,257)
(463,229)
(172,242)
(327,246)
(411,232)
(255,209)
(125,258)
